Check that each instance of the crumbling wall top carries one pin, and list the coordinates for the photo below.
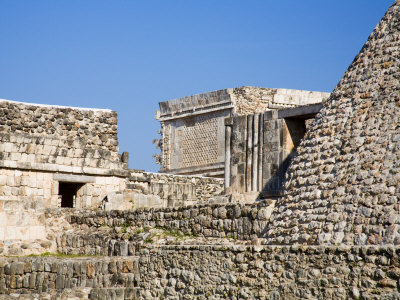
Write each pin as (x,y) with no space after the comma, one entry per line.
(98,127)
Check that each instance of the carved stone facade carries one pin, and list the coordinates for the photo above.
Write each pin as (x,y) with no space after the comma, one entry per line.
(259,149)
(193,128)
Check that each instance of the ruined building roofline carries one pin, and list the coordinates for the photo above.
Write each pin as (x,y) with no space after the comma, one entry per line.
(194,102)
(278,90)
(57,106)
(227,99)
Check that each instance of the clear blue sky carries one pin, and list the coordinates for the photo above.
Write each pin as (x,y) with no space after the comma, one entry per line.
(130,55)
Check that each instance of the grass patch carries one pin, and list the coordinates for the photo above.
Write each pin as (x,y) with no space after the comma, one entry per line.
(60,254)
(176,233)
(148,240)
(124,228)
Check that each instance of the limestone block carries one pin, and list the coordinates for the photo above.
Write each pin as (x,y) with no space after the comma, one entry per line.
(47,150)
(10,232)
(76,169)
(47,142)
(54,201)
(63,168)
(53,150)
(46,193)
(15,156)
(8,147)
(10,180)
(67,161)
(25,180)
(39,183)
(87,201)
(3,180)
(60,160)
(7,190)
(10,164)
(15,191)
(30,158)
(31,149)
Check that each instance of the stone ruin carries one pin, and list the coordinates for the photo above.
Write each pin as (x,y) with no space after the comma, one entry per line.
(53,156)
(193,128)
(245,135)
(96,229)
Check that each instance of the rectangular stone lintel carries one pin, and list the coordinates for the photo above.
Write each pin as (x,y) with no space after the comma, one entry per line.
(74,178)
(307,111)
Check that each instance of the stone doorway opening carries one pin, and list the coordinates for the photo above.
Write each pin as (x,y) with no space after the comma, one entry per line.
(67,192)
(296,130)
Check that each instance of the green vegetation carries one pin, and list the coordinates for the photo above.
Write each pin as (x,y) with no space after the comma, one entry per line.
(176,233)
(124,228)
(60,254)
(148,240)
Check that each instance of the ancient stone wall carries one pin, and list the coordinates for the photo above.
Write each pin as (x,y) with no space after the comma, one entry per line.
(28,193)
(238,221)
(344,185)
(218,271)
(268,272)
(173,190)
(200,139)
(192,128)
(43,147)
(192,133)
(259,148)
(58,139)
(48,274)
(249,100)
(25,194)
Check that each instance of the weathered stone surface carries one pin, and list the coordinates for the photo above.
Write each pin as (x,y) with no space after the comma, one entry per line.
(343,186)
(115,233)
(59,139)
(219,271)
(174,190)
(261,147)
(193,131)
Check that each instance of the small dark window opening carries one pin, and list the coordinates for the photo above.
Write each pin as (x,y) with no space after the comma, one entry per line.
(67,191)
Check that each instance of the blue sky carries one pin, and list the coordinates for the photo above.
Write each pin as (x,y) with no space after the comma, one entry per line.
(130,55)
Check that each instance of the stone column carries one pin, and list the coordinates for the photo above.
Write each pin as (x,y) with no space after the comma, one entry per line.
(228,151)
(254,177)
(260,151)
(249,152)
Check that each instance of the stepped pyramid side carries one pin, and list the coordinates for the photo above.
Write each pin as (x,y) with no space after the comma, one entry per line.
(344,185)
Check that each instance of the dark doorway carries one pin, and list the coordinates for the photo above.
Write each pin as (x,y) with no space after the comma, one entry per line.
(297,130)
(67,191)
